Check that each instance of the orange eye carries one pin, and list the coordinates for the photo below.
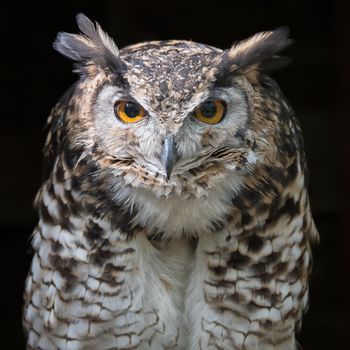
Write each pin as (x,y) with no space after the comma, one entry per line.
(128,112)
(210,112)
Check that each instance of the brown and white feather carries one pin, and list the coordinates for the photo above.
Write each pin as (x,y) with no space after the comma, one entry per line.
(218,255)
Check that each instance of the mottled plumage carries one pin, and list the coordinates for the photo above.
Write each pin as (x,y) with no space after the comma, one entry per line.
(170,233)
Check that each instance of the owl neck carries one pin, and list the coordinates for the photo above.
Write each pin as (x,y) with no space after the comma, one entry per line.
(80,186)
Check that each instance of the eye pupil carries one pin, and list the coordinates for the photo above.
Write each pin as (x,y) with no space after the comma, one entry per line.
(132,110)
(208,109)
(210,112)
(128,111)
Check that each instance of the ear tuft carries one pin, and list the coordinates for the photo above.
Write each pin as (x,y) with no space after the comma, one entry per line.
(92,46)
(258,49)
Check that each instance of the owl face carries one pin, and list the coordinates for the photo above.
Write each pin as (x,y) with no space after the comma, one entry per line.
(180,119)
(167,112)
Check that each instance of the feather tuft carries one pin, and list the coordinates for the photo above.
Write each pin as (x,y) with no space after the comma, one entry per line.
(92,46)
(257,52)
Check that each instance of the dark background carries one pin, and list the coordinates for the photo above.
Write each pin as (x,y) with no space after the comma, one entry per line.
(316,84)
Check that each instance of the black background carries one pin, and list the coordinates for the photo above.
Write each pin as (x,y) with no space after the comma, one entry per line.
(316,84)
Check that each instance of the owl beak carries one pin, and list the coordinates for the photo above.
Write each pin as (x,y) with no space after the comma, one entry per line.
(169,156)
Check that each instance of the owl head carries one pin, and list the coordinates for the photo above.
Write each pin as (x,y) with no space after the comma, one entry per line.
(172,117)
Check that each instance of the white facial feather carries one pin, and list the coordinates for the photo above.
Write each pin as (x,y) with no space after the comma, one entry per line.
(112,133)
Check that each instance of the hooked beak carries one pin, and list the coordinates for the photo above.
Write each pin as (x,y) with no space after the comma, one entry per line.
(169,156)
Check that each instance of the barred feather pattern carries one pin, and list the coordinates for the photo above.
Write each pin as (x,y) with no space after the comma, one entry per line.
(216,257)
(90,282)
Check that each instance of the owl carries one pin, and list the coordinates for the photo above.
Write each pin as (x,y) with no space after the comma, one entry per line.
(174,211)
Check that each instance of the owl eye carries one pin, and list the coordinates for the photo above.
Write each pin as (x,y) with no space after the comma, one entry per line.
(128,112)
(210,112)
